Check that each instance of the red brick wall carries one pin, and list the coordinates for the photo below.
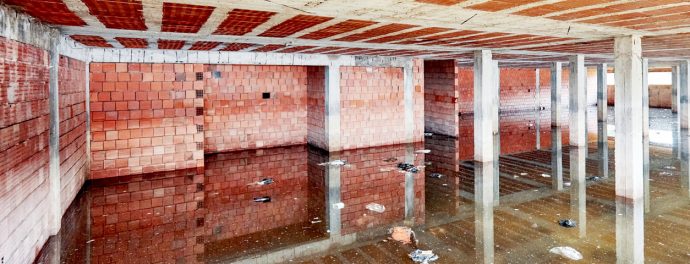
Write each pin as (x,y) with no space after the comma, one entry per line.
(72,92)
(144,118)
(151,218)
(365,182)
(316,107)
(238,118)
(440,97)
(24,135)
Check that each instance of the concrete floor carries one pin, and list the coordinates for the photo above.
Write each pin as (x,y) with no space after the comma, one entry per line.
(129,220)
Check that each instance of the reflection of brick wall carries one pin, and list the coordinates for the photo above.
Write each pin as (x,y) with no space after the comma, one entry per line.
(365,183)
(440,97)
(145,118)
(237,116)
(316,106)
(152,217)
(229,198)
(72,92)
(24,133)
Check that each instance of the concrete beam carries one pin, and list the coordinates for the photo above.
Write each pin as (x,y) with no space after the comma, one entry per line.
(55,214)
(332,111)
(578,101)
(484,90)
(556,141)
(602,120)
(629,157)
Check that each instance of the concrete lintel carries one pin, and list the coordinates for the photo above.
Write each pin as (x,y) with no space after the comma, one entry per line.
(578,101)
(484,90)
(55,213)
(629,157)
(25,29)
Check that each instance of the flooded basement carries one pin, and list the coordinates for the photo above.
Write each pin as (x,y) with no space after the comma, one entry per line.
(294,204)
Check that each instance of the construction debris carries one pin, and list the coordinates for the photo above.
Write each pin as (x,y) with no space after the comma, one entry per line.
(403,235)
(567,223)
(379,208)
(423,256)
(567,252)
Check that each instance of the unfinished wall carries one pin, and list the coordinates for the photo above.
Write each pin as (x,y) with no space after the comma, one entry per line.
(441,88)
(316,107)
(659,95)
(145,118)
(239,117)
(24,135)
(73,156)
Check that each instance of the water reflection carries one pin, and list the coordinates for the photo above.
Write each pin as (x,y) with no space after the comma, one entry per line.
(484,211)
(556,158)
(578,198)
(630,235)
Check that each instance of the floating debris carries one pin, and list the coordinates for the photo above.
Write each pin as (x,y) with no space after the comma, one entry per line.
(402,234)
(386,169)
(545,175)
(391,159)
(408,167)
(265,181)
(379,208)
(427,134)
(316,221)
(523,173)
(336,163)
(264,199)
(89,242)
(436,175)
(445,184)
(338,205)
(515,176)
(567,184)
(594,178)
(567,223)
(428,163)
(423,256)
(567,252)
(423,151)
(670,167)
(666,173)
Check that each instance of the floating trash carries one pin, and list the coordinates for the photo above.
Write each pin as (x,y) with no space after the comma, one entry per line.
(264,199)
(316,221)
(386,169)
(391,159)
(408,167)
(423,151)
(567,252)
(336,163)
(423,256)
(338,205)
(545,175)
(567,184)
(428,163)
(567,223)
(379,208)
(670,167)
(523,173)
(265,181)
(594,178)
(427,134)
(436,175)
(402,234)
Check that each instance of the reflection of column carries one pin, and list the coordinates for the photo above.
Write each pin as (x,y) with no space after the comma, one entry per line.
(629,231)
(409,184)
(497,129)
(645,132)
(333,196)
(556,142)
(675,103)
(684,161)
(628,73)
(537,99)
(674,89)
(683,89)
(483,211)
(602,118)
(578,198)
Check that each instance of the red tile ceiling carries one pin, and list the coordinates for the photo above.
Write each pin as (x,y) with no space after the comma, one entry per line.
(170,44)
(294,25)
(204,45)
(184,18)
(241,21)
(324,50)
(138,43)
(559,6)
(236,46)
(427,39)
(411,34)
(627,6)
(498,5)
(93,41)
(49,11)
(120,14)
(375,32)
(441,2)
(340,28)
(268,48)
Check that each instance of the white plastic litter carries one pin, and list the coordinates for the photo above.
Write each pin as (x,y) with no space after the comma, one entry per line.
(379,208)
(567,252)
(567,184)
(427,134)
(545,175)
(338,205)
(423,256)
(523,173)
(423,151)
(336,163)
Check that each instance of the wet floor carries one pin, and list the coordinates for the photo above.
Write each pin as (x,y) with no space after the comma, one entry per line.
(289,205)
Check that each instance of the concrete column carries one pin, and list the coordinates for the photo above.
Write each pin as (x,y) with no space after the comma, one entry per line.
(578,101)
(629,157)
(674,89)
(496,120)
(684,162)
(683,93)
(409,184)
(54,140)
(87,102)
(333,196)
(408,98)
(537,99)
(556,141)
(484,90)
(629,231)
(483,212)
(645,131)
(602,121)
(578,198)
(332,98)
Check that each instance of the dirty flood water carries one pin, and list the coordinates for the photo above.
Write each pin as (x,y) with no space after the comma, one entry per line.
(295,205)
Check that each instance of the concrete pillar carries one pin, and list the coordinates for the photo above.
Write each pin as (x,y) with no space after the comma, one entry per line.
(87,105)
(556,141)
(602,121)
(629,231)
(578,198)
(645,131)
(54,140)
(683,69)
(408,98)
(333,207)
(483,212)
(578,101)
(496,120)
(675,103)
(483,106)
(629,157)
(332,102)
(409,184)
(537,99)
(674,89)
